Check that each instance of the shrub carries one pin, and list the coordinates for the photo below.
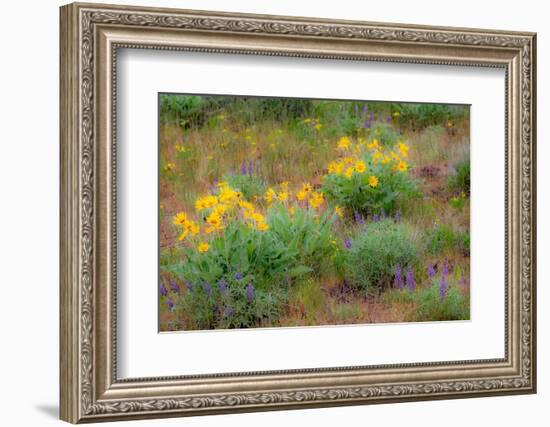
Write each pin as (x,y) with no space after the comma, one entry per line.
(430,307)
(368,177)
(377,251)
(419,116)
(459,181)
(301,231)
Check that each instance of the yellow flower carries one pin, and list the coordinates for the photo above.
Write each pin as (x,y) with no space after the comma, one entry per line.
(395,156)
(307,121)
(377,156)
(344,143)
(339,211)
(180,148)
(221,116)
(180,219)
(450,124)
(183,235)
(373,181)
(284,185)
(396,114)
(307,187)
(169,167)
(203,247)
(258,217)
(219,210)
(373,144)
(282,196)
(403,149)
(291,210)
(301,195)
(269,195)
(402,166)
(361,140)
(262,226)
(348,173)
(386,160)
(206,202)
(360,166)
(214,220)
(246,205)
(222,184)
(192,227)
(227,194)
(348,160)
(318,126)
(316,199)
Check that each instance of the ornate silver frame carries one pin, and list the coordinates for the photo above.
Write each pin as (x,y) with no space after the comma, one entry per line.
(90,36)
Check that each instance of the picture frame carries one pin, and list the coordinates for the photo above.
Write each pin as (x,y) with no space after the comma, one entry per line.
(91,35)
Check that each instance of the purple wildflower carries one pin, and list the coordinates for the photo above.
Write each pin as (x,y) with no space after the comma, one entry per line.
(250,292)
(375,218)
(356,109)
(222,285)
(431,271)
(238,275)
(207,288)
(444,269)
(397,216)
(388,119)
(347,242)
(163,290)
(462,279)
(371,116)
(409,277)
(170,304)
(175,287)
(367,124)
(383,214)
(359,218)
(228,311)
(443,287)
(243,168)
(398,277)
(365,108)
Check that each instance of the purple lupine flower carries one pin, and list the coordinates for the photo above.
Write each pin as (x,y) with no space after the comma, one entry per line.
(238,275)
(431,271)
(243,168)
(175,287)
(388,119)
(397,216)
(347,243)
(398,277)
(189,285)
(207,288)
(359,218)
(228,312)
(250,292)
(444,269)
(371,116)
(443,287)
(367,124)
(163,290)
(356,109)
(365,108)
(409,277)
(375,218)
(222,285)
(170,304)
(383,214)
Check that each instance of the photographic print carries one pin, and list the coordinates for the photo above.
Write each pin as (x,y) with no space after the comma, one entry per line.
(302,212)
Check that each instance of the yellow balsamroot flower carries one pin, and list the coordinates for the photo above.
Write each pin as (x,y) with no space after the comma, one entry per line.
(262,226)
(301,195)
(402,166)
(180,148)
(307,187)
(183,235)
(360,166)
(282,196)
(348,173)
(377,156)
(395,156)
(180,219)
(386,160)
(316,200)
(203,247)
(206,202)
(169,167)
(344,143)
(246,205)
(227,194)
(403,149)
(339,211)
(318,126)
(219,210)
(348,160)
(373,181)
(214,220)
(284,185)
(269,195)
(192,227)
(257,217)
(373,144)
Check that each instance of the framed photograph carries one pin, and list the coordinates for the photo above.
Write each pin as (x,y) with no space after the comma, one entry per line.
(265,212)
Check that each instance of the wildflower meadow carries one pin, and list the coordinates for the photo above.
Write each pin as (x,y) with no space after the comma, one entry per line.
(297,212)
